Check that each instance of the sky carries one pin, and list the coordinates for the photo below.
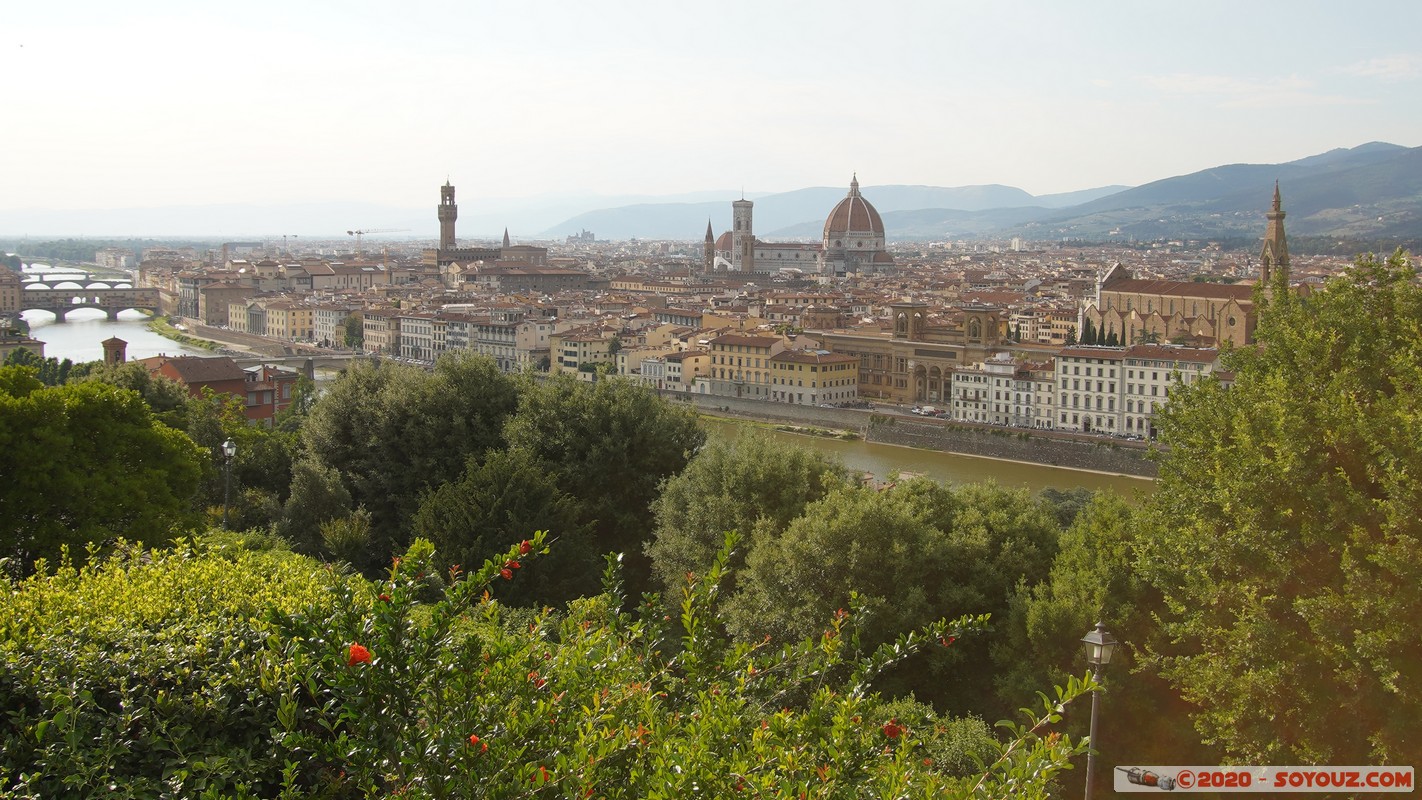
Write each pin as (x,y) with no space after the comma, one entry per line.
(143,104)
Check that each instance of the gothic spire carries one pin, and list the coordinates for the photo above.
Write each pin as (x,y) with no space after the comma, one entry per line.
(710,237)
(1275,255)
(506,237)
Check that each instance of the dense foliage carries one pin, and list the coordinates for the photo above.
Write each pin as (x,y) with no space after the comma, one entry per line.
(609,444)
(733,486)
(1287,533)
(393,432)
(87,462)
(143,675)
(218,670)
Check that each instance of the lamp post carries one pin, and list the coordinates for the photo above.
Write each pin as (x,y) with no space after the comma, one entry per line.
(1099,646)
(229,449)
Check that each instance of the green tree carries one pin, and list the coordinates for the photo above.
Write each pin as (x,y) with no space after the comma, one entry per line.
(729,486)
(353,332)
(166,397)
(1088,332)
(1094,578)
(317,496)
(913,554)
(50,371)
(610,444)
(1071,336)
(392,432)
(495,505)
(1286,533)
(84,463)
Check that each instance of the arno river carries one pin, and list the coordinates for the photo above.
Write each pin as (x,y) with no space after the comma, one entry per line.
(78,340)
(78,337)
(951,468)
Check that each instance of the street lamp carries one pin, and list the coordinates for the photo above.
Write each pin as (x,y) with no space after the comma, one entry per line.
(229,449)
(1099,646)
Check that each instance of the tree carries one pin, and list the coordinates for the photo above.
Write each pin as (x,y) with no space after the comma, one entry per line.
(1088,332)
(50,371)
(84,463)
(913,554)
(316,497)
(610,444)
(1071,336)
(166,397)
(1286,533)
(729,486)
(498,503)
(353,332)
(393,432)
(1094,578)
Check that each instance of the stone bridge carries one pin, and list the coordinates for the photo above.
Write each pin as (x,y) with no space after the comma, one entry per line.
(86,280)
(61,301)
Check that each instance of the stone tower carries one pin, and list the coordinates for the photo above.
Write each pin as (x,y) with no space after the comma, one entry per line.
(742,237)
(506,237)
(1275,256)
(115,351)
(448,213)
(708,250)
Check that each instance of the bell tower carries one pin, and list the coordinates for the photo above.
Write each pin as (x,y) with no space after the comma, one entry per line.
(1275,255)
(708,250)
(742,237)
(448,213)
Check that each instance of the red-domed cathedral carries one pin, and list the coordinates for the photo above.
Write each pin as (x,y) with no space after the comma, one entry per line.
(854,237)
(853,243)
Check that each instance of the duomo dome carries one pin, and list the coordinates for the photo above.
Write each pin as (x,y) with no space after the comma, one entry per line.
(853,218)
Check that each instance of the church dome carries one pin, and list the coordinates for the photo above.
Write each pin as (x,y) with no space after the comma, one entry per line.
(853,215)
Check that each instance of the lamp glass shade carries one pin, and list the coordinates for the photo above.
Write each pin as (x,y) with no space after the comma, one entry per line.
(229,448)
(1100,645)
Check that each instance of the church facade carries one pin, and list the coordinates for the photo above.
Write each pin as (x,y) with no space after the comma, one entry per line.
(1157,311)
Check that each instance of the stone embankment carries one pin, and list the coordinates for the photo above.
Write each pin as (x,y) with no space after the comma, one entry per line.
(890,425)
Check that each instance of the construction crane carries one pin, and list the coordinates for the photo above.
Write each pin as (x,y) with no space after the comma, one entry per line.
(357,234)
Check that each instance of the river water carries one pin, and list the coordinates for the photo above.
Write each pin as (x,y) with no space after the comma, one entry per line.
(79,337)
(952,468)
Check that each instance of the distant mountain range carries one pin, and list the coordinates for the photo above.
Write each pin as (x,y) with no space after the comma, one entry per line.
(1373,191)
(801,213)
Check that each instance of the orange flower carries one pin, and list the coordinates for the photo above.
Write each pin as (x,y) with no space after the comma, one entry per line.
(506,574)
(384,598)
(893,729)
(474,741)
(524,548)
(357,655)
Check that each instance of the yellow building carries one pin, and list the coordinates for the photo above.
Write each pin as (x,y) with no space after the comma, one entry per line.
(740,365)
(814,377)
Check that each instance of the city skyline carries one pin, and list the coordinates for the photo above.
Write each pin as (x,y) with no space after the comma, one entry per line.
(156,104)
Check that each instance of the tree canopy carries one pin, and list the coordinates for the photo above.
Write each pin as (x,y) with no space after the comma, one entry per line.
(1286,535)
(87,462)
(610,444)
(730,486)
(392,432)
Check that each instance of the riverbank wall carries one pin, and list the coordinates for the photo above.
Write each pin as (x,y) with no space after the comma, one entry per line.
(1071,451)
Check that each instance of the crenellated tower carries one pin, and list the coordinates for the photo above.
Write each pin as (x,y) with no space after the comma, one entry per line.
(448,213)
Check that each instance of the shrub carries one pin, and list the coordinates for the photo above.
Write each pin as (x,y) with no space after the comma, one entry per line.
(141,675)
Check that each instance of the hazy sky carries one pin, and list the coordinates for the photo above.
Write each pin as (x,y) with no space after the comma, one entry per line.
(136,104)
